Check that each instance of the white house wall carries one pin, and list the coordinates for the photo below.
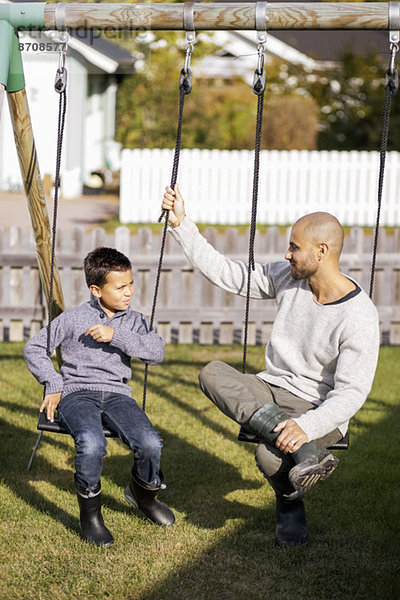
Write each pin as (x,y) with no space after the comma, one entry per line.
(39,80)
(74,172)
(40,69)
(89,129)
(94,126)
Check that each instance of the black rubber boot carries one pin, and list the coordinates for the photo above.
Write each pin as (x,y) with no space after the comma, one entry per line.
(291,527)
(142,495)
(91,521)
(312,462)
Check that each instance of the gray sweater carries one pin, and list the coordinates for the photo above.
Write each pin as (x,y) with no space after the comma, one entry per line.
(324,353)
(87,364)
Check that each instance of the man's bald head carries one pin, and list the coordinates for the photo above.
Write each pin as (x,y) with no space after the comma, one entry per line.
(322,228)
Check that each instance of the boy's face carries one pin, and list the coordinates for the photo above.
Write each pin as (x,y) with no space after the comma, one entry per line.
(116,293)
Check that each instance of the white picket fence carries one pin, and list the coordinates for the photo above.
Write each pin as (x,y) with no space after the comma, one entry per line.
(217,185)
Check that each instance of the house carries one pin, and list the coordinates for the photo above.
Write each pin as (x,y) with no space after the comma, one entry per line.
(94,66)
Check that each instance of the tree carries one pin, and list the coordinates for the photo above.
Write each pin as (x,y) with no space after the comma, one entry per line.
(219,113)
(290,123)
(350,99)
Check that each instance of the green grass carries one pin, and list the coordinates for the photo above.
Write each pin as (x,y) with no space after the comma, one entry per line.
(111,224)
(222,546)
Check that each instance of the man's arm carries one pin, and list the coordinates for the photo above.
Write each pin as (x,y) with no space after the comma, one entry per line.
(221,271)
(355,371)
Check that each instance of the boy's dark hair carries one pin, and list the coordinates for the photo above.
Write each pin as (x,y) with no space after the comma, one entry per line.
(100,262)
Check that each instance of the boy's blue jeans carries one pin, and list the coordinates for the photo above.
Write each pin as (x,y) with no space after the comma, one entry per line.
(82,414)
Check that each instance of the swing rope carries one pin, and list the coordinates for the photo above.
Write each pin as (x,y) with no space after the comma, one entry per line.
(185,87)
(60,87)
(391,88)
(259,90)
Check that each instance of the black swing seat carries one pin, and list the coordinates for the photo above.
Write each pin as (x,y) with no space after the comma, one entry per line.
(247,436)
(56,427)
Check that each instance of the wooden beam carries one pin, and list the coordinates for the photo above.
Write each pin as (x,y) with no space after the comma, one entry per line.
(26,150)
(226,16)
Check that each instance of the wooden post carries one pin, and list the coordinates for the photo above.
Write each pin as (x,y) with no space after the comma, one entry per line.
(213,16)
(28,163)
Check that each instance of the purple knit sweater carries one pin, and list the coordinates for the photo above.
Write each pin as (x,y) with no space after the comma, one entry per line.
(87,364)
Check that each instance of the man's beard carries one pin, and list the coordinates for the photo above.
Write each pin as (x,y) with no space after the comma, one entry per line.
(306,272)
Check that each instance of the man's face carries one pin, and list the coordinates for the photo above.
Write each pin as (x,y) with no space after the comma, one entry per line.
(117,292)
(302,255)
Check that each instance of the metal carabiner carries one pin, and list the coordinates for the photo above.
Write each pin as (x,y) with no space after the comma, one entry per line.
(189,50)
(260,64)
(60,83)
(394,48)
(259,74)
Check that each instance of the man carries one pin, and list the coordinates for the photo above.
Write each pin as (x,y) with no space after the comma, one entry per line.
(320,359)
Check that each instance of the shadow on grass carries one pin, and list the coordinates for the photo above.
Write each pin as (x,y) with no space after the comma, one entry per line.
(203,502)
(14,459)
(354,528)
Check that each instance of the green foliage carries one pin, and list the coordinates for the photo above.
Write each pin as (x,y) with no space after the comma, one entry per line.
(290,123)
(350,99)
(219,113)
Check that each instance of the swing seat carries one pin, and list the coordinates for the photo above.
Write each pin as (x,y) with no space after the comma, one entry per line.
(56,427)
(247,436)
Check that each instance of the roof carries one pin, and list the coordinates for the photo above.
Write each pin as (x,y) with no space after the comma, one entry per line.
(331,45)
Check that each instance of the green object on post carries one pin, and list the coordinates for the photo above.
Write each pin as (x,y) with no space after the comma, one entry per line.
(11,69)
(5,51)
(25,15)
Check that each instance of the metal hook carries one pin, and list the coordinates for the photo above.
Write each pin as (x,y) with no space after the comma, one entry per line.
(188,25)
(259,75)
(260,21)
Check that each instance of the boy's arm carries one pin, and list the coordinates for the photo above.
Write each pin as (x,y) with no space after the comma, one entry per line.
(39,363)
(41,366)
(139,342)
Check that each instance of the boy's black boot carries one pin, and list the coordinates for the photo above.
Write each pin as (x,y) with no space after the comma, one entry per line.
(312,462)
(91,521)
(142,495)
(291,525)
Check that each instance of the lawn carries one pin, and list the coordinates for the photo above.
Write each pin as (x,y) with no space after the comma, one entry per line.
(222,545)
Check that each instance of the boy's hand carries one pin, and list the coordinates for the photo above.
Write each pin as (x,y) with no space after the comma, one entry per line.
(101,333)
(173,202)
(50,403)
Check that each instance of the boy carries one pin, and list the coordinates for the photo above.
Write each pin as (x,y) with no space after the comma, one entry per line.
(97,341)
